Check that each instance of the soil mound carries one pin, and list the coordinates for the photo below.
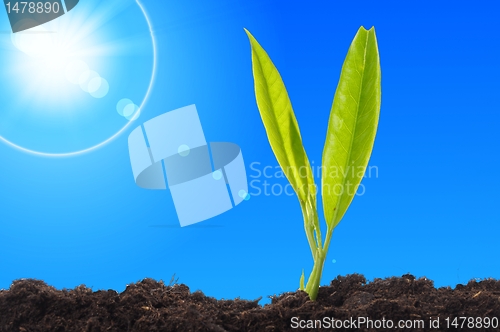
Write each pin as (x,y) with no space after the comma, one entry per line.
(31,305)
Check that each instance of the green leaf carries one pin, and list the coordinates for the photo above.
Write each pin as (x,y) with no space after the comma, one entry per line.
(302,278)
(352,126)
(280,123)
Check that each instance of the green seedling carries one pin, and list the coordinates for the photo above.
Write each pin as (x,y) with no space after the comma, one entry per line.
(349,140)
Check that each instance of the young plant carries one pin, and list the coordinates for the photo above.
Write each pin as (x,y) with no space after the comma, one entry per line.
(349,140)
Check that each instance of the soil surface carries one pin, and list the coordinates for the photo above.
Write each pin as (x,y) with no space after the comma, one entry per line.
(31,305)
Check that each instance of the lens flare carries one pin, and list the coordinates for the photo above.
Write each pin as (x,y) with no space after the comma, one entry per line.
(64,80)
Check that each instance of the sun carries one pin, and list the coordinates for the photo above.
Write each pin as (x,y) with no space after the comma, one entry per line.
(76,83)
(42,63)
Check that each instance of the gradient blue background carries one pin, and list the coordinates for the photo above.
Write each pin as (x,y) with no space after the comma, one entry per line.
(432,211)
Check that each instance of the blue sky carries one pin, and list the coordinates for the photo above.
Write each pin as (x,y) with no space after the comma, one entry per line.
(431,211)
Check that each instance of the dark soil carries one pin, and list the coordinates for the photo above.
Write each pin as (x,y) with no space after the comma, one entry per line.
(31,305)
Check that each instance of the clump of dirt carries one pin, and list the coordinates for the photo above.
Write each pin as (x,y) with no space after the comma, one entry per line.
(31,305)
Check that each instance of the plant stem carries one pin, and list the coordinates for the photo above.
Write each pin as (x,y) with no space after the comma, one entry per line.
(329,233)
(314,280)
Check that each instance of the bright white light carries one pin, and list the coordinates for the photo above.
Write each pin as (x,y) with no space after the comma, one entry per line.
(94,84)
(36,43)
(48,53)
(85,79)
(75,69)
